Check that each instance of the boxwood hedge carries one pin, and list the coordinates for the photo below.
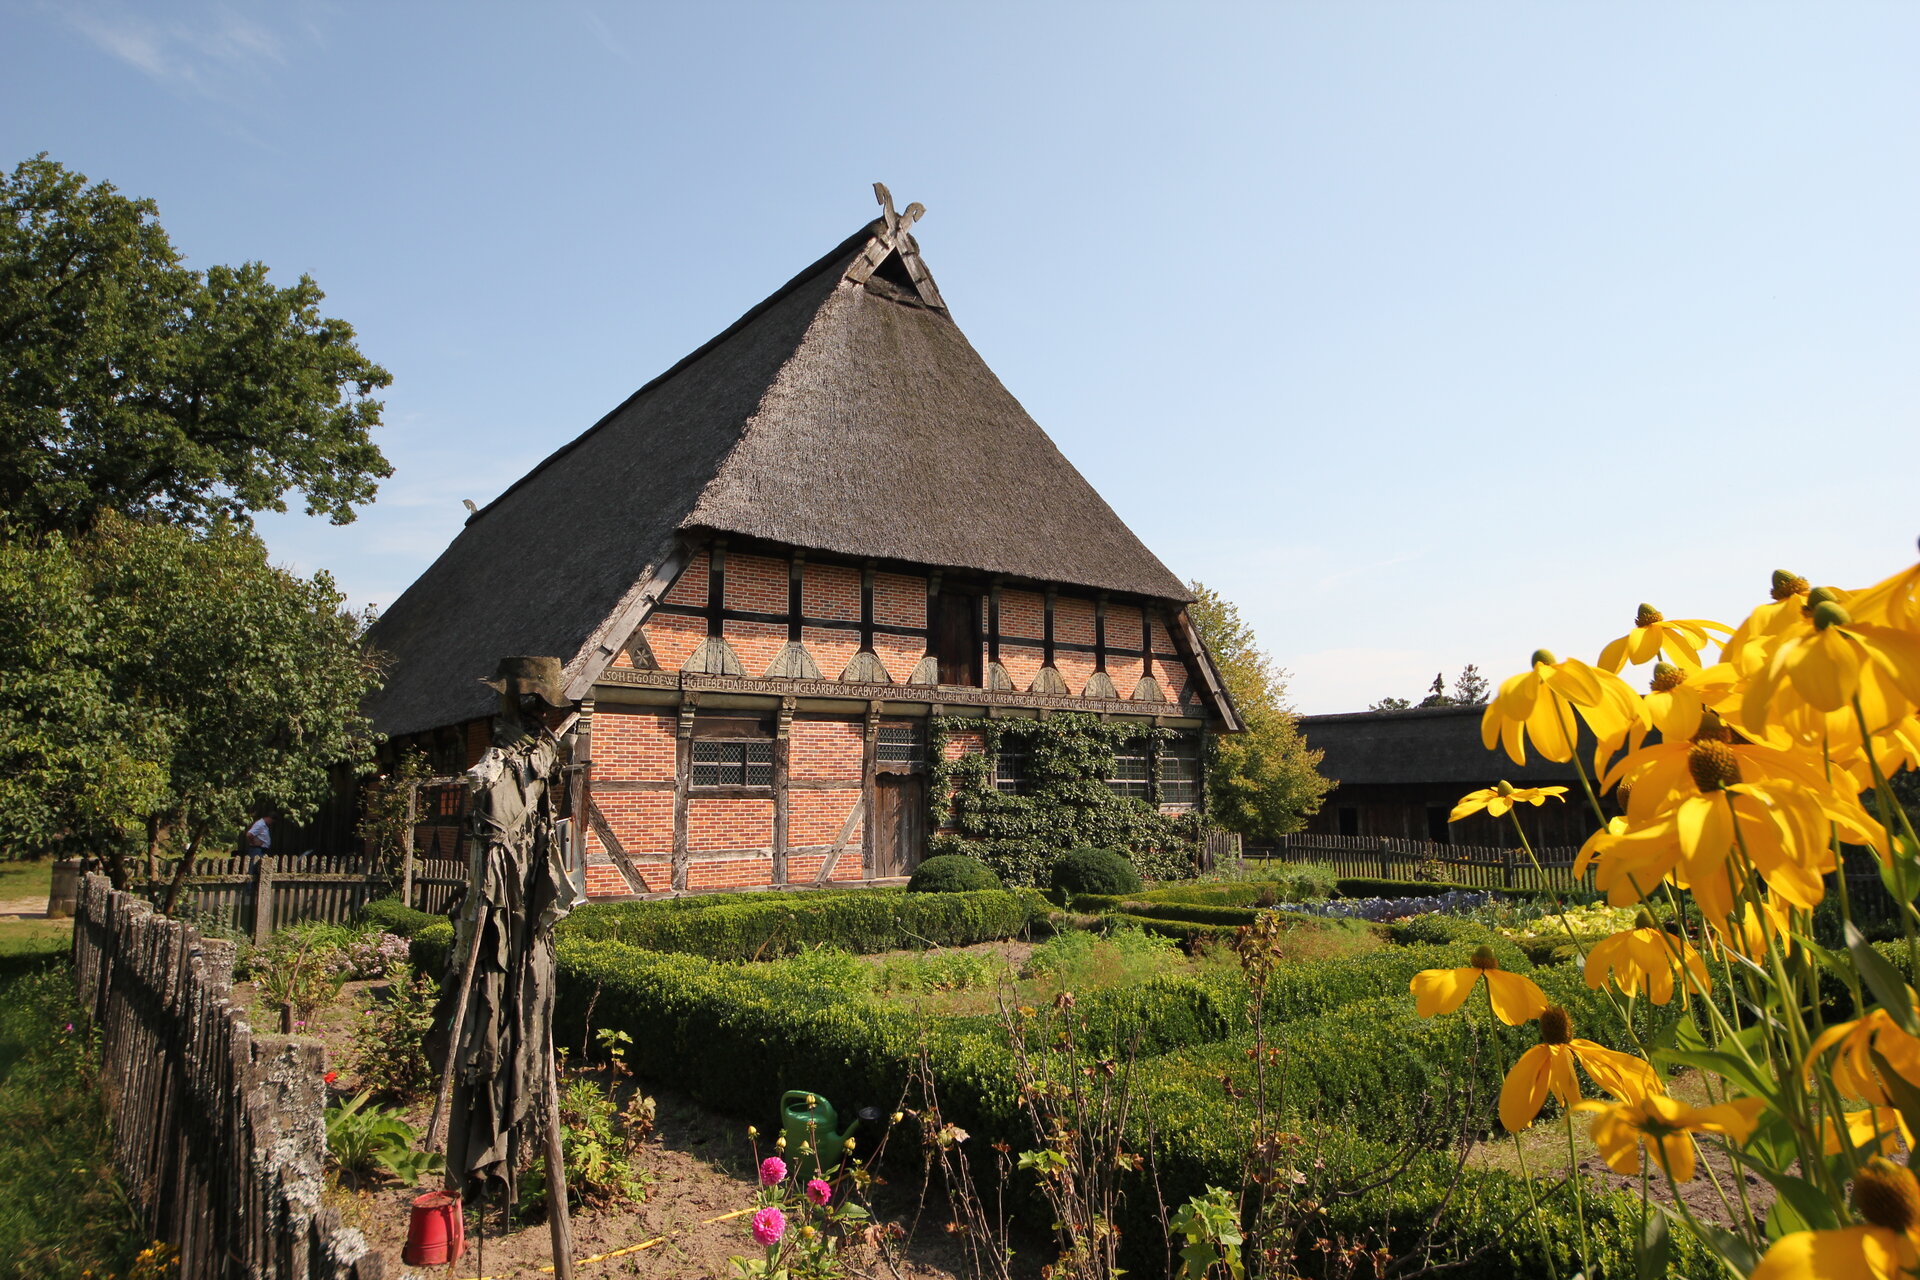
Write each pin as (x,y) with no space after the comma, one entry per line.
(738,1036)
(757,928)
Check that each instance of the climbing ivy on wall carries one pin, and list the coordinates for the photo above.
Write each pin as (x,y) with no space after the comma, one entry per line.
(1066,803)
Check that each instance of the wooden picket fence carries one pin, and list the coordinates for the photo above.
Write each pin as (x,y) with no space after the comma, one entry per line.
(1383,858)
(252,896)
(218,1131)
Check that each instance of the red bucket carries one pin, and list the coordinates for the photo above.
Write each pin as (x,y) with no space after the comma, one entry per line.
(436,1234)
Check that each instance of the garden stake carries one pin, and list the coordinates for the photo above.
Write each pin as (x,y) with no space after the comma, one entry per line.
(558,1223)
(437,1127)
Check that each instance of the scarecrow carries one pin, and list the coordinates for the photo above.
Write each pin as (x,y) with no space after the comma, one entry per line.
(499,1093)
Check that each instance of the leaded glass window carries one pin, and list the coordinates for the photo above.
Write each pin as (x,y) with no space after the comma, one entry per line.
(732,762)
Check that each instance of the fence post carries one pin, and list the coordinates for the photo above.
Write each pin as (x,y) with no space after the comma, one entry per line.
(1506,868)
(262,899)
(1386,868)
(406,854)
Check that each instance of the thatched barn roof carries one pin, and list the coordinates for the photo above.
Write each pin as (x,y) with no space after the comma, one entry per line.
(1421,745)
(846,414)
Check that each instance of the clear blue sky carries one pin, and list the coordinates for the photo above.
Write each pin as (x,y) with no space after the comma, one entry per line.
(1427,333)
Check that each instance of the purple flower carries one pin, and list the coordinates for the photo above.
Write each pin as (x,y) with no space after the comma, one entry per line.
(769,1225)
(772,1170)
(818,1191)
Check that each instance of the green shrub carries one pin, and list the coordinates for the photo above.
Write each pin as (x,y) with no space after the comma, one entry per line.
(1302,882)
(1192,913)
(706,1028)
(390,1050)
(1095,871)
(952,873)
(750,929)
(390,915)
(432,948)
(1367,887)
(1436,928)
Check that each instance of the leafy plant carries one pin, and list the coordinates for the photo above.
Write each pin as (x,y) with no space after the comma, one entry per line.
(366,1141)
(1066,803)
(598,1155)
(1210,1225)
(390,1051)
(298,973)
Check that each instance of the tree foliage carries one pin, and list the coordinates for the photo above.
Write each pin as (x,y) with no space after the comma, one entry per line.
(1470,689)
(1263,782)
(159,683)
(138,385)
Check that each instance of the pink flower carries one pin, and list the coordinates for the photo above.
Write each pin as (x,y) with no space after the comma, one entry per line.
(769,1225)
(773,1169)
(819,1192)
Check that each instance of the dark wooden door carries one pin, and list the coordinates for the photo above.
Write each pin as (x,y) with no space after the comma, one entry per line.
(899,823)
(958,641)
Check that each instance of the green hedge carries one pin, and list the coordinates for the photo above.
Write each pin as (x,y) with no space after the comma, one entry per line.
(757,929)
(432,948)
(1191,913)
(737,1037)
(1297,884)
(1365,887)
(395,916)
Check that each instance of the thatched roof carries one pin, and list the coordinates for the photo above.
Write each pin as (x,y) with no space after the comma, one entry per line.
(1429,744)
(846,414)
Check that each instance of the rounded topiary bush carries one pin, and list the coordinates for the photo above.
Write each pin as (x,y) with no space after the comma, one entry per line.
(1095,871)
(952,873)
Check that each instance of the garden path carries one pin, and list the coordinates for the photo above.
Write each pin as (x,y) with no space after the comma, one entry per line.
(701,1167)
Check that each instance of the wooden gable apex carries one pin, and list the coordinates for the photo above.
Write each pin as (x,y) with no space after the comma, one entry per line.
(892,243)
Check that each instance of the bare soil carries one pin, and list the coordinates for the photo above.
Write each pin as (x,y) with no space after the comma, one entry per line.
(1714,1195)
(690,1224)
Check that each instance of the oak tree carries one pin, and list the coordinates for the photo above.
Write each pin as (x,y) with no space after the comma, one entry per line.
(137,384)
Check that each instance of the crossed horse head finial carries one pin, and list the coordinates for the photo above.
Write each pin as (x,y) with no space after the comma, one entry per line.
(897,223)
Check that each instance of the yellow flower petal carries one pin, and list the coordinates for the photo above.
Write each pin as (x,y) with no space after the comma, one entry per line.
(1524,1091)
(1442,990)
(1851,1253)
(1515,999)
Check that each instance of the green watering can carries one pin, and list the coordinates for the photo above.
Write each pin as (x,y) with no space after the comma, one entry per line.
(807,1118)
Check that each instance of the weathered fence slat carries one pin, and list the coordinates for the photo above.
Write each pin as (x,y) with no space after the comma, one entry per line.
(219,1135)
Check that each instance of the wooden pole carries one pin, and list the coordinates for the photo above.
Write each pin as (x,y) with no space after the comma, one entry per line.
(559,1224)
(437,1127)
(406,855)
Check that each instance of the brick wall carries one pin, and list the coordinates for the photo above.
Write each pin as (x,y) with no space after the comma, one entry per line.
(832,649)
(1022,663)
(673,638)
(756,584)
(729,825)
(826,749)
(690,588)
(899,600)
(632,744)
(756,643)
(830,591)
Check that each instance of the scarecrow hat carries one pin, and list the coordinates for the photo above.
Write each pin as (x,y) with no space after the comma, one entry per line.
(539,676)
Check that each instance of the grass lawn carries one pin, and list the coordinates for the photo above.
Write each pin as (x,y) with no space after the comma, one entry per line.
(26,879)
(61,1211)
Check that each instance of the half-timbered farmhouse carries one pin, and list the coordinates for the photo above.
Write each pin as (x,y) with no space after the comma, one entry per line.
(768,568)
